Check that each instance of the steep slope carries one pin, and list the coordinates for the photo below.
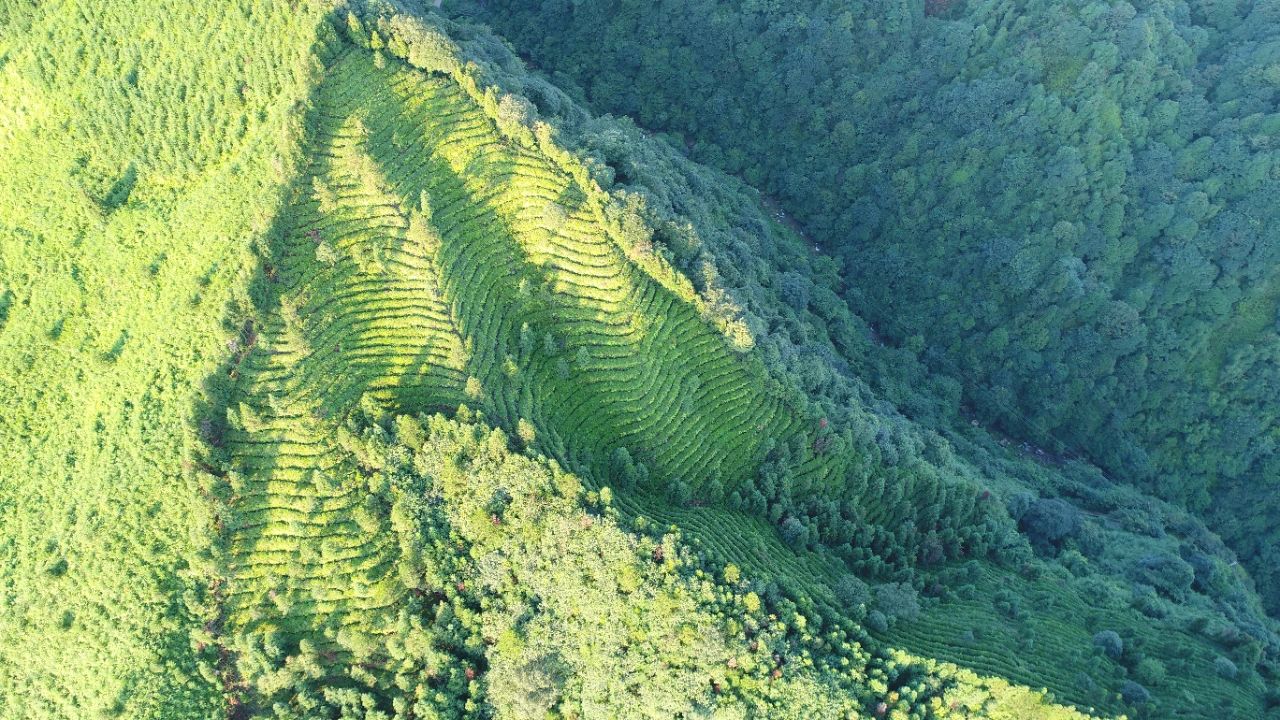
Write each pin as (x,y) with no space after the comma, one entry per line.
(441,302)
(386,206)
(550,329)
(1150,571)
(428,259)
(1066,207)
(520,595)
(404,231)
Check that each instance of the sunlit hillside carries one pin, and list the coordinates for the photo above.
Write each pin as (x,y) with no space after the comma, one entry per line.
(354,370)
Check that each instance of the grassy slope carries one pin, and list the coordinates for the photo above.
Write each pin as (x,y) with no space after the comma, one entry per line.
(141,146)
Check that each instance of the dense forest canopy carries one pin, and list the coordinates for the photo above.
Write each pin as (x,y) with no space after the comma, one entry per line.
(356,371)
(1067,206)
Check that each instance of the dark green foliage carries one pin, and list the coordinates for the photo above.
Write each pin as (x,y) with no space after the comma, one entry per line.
(624,470)
(1008,604)
(1168,574)
(1109,642)
(1134,694)
(6,304)
(119,193)
(1049,522)
(498,502)
(852,594)
(898,601)
(877,621)
(795,533)
(1053,204)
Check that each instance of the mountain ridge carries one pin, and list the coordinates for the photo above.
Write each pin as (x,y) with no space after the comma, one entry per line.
(424,227)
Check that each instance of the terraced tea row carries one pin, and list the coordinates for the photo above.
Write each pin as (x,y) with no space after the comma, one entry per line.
(429,262)
(609,352)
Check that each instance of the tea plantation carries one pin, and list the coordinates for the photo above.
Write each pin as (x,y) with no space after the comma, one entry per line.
(353,370)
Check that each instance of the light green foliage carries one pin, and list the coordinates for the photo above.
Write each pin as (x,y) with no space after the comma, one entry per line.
(557,611)
(143,147)
(571,638)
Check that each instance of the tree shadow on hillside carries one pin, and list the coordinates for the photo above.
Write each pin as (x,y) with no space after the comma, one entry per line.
(246,319)
(120,190)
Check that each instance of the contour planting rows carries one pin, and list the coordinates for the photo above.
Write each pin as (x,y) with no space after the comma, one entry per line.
(427,262)
(567,333)
(748,543)
(1038,649)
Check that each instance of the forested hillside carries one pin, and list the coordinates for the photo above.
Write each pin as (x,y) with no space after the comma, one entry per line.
(1066,206)
(358,372)
(200,240)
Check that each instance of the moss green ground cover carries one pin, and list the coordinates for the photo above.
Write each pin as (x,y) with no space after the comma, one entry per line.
(141,146)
